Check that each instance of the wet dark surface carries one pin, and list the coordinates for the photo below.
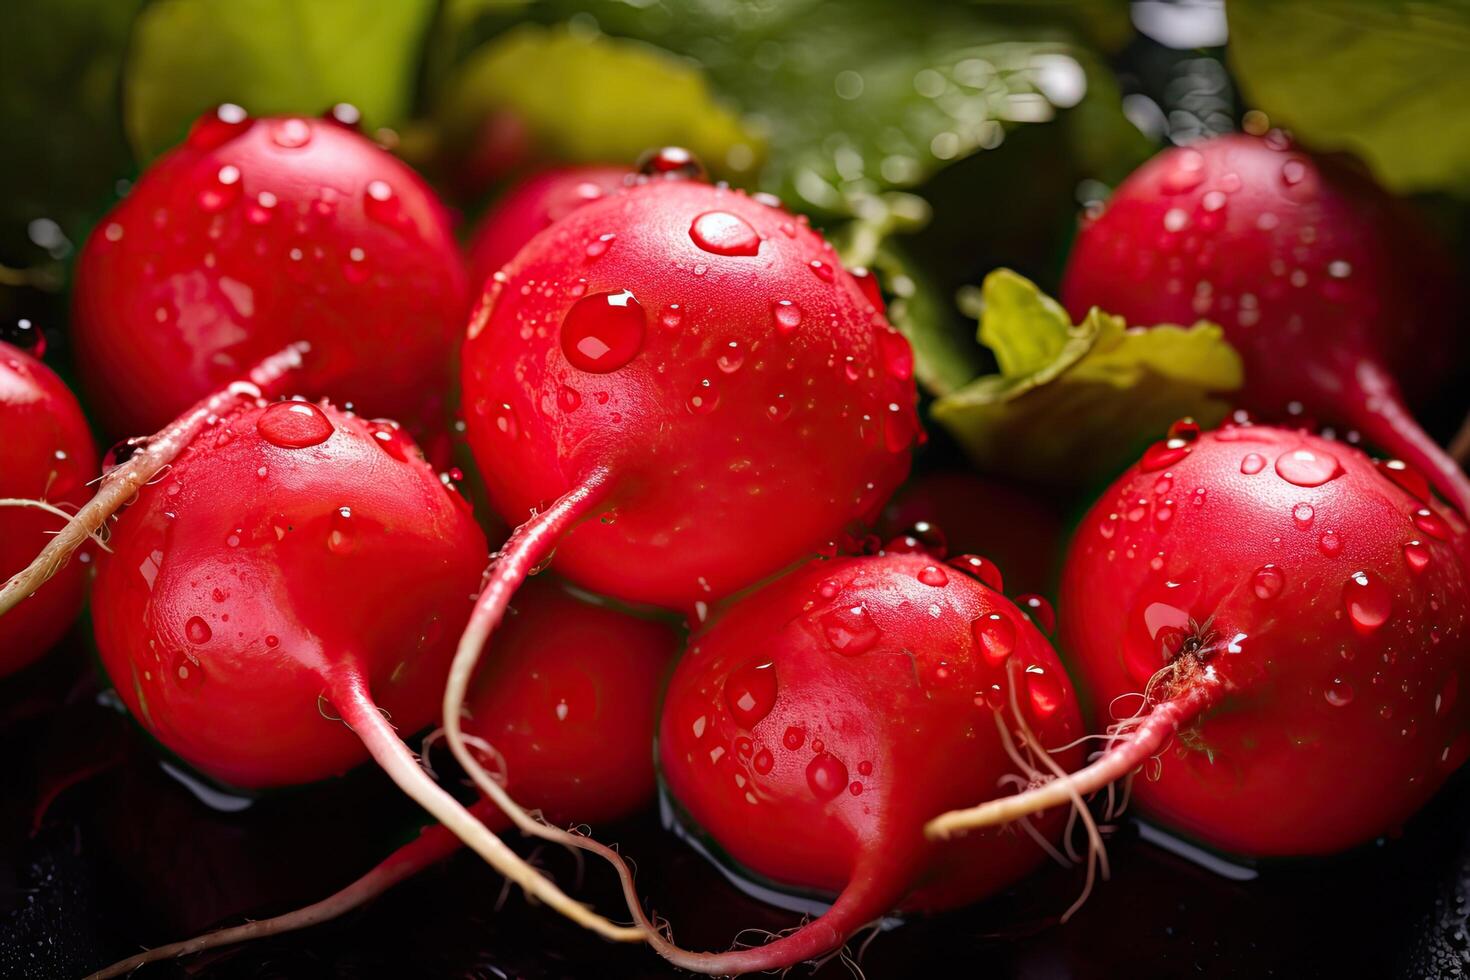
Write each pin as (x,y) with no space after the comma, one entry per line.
(126,856)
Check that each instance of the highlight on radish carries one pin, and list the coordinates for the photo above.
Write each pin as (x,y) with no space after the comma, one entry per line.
(257,233)
(572,695)
(1278,622)
(1340,301)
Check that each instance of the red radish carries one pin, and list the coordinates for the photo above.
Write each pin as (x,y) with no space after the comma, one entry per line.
(573,693)
(1017,531)
(1328,287)
(1294,615)
(532,206)
(46,461)
(696,368)
(815,726)
(254,234)
(296,564)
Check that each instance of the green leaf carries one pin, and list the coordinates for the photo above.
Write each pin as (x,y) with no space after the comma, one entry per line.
(1075,404)
(589,97)
(1382,78)
(270,56)
(943,359)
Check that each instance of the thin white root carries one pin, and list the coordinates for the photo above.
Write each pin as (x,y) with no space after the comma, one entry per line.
(97,537)
(121,484)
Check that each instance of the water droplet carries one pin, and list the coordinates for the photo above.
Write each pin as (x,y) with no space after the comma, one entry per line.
(1339,693)
(1252,464)
(1307,467)
(24,335)
(1044,690)
(981,568)
(381,204)
(506,421)
(1368,602)
(290,133)
(198,631)
(294,425)
(705,398)
(1302,515)
(1417,555)
(568,398)
(822,270)
(344,114)
(898,355)
(763,761)
(1431,524)
(750,693)
(996,637)
(222,191)
(793,738)
(599,245)
(732,359)
(898,428)
(342,539)
(391,438)
(1164,454)
(780,409)
(671,162)
(933,575)
(1213,201)
(1330,544)
(186,671)
(788,317)
(1268,582)
(603,331)
(1405,476)
(1292,172)
(826,775)
(850,630)
(218,126)
(1040,611)
(829,588)
(1186,174)
(673,317)
(723,233)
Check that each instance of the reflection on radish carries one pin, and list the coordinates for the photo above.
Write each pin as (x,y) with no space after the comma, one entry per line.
(1280,621)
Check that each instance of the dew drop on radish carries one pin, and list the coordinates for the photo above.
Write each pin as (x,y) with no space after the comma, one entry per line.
(603,331)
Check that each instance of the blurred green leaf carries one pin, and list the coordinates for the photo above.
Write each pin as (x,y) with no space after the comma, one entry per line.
(60,62)
(589,97)
(943,359)
(269,56)
(1382,78)
(1075,404)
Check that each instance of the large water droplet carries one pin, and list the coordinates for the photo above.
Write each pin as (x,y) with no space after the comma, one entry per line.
(1044,690)
(671,162)
(342,538)
(1302,515)
(1268,582)
(1165,453)
(1252,464)
(793,738)
(981,568)
(198,631)
(1431,524)
(294,425)
(218,126)
(898,356)
(1417,555)
(1307,467)
(750,693)
(1330,544)
(788,317)
(995,635)
(25,335)
(826,775)
(603,331)
(1368,601)
(222,191)
(723,233)
(1040,611)
(763,761)
(933,575)
(850,630)
(290,133)
(1339,693)
(1405,476)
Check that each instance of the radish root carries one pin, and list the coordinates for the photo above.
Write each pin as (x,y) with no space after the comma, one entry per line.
(120,485)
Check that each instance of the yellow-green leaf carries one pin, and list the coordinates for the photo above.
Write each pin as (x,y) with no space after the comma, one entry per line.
(1074,404)
(270,56)
(593,98)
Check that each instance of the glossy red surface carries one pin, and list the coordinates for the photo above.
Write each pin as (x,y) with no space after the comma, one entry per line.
(256,233)
(242,579)
(1330,602)
(46,453)
(748,406)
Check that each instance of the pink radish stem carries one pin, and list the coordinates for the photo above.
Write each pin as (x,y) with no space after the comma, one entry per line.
(1385,422)
(119,486)
(1152,734)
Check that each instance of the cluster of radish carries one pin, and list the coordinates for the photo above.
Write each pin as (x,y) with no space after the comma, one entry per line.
(684,402)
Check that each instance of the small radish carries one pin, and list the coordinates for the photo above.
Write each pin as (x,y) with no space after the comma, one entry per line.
(532,206)
(815,726)
(1295,614)
(254,234)
(46,461)
(573,694)
(1018,532)
(693,368)
(296,565)
(1328,287)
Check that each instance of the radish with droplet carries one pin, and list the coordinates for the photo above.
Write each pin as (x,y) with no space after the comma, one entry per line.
(813,727)
(257,233)
(694,371)
(46,460)
(532,206)
(1283,624)
(1330,289)
(297,567)
(571,697)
